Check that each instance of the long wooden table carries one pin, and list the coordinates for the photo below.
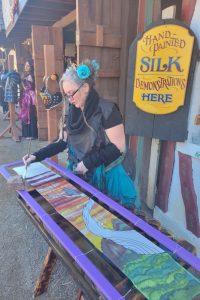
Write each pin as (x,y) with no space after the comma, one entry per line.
(96,275)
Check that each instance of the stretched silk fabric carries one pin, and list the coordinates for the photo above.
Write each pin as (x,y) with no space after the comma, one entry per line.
(153,271)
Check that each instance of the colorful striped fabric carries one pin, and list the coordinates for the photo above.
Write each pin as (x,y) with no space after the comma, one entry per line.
(153,271)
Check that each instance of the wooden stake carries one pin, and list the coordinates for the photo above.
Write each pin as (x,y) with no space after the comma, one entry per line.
(43,280)
(12,128)
(7,116)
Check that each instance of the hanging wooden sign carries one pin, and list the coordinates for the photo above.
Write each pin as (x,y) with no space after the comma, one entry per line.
(161,68)
(162,65)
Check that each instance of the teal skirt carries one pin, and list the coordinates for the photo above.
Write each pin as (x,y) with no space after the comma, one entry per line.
(115,183)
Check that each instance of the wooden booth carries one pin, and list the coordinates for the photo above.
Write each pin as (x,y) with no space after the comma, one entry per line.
(101,30)
(111,252)
(105,30)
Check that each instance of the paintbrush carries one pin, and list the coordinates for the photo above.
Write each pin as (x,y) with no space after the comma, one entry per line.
(26,167)
(18,182)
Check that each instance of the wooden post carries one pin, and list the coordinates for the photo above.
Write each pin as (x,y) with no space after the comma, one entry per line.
(11,64)
(44,35)
(155,11)
(52,120)
(7,116)
(12,128)
(47,269)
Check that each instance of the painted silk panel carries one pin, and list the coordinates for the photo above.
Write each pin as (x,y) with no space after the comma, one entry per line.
(153,271)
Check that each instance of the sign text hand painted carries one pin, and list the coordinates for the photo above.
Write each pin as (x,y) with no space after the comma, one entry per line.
(162,66)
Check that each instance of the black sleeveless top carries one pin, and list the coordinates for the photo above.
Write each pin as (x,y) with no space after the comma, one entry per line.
(86,130)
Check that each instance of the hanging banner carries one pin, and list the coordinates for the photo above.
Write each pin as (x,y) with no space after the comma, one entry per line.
(11,10)
(162,65)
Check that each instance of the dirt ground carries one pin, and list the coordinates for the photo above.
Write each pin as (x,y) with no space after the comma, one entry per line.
(22,248)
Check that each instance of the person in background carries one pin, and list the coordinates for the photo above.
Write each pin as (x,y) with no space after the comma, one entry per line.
(28,114)
(2,89)
(93,133)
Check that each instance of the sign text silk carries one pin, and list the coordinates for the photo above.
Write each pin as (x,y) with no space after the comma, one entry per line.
(162,66)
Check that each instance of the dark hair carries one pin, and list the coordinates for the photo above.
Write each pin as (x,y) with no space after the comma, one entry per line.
(30,72)
(30,62)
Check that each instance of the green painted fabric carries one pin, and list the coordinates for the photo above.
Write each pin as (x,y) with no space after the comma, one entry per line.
(166,280)
(156,276)
(151,270)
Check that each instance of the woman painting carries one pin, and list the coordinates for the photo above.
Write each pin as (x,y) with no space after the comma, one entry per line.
(94,135)
(28,113)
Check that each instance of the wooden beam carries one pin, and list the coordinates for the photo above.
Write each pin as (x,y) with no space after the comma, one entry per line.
(188,193)
(149,6)
(156,10)
(106,73)
(167,158)
(52,5)
(47,269)
(12,127)
(155,13)
(153,172)
(52,119)
(87,38)
(141,15)
(188,7)
(37,19)
(99,35)
(42,7)
(128,33)
(42,13)
(66,20)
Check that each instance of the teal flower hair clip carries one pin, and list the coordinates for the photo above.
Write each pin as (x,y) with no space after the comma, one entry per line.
(83,71)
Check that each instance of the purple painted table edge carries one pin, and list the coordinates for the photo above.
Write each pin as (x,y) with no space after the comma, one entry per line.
(97,278)
(151,231)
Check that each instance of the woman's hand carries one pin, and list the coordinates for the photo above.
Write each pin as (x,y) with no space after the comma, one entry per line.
(80,168)
(27,159)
